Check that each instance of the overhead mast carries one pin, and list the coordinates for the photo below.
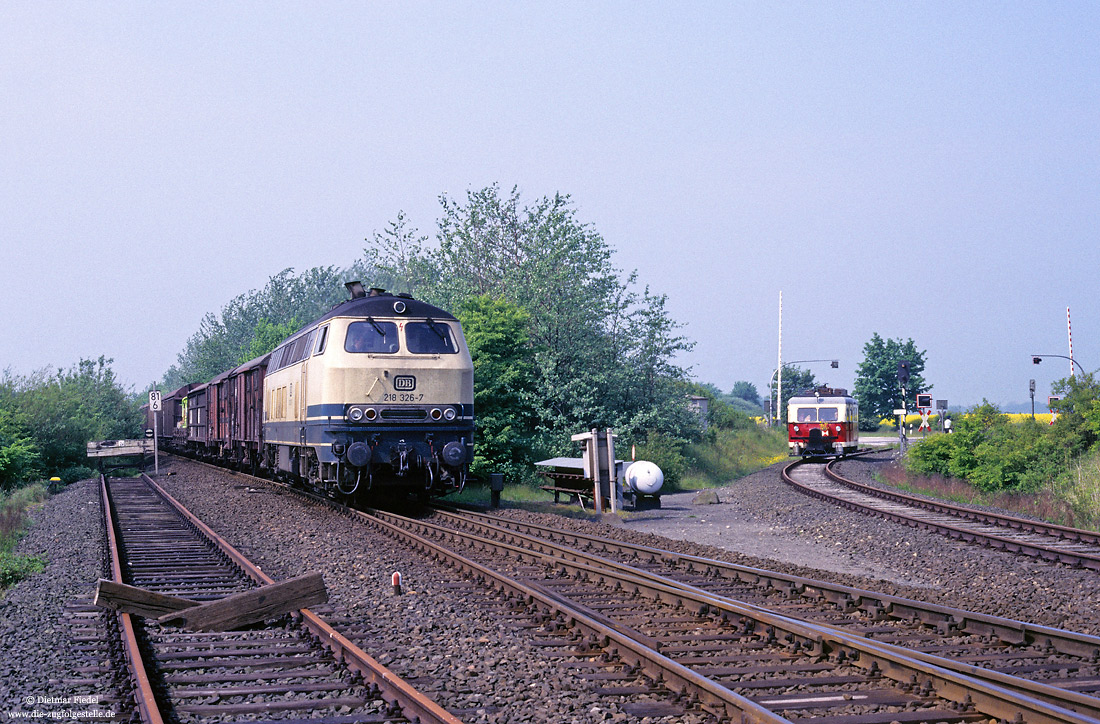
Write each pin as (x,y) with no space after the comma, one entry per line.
(1069,331)
(779,369)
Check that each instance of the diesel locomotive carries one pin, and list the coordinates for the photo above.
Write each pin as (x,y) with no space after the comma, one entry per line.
(374,397)
(822,422)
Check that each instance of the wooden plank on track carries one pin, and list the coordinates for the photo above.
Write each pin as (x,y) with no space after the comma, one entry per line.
(131,599)
(253,606)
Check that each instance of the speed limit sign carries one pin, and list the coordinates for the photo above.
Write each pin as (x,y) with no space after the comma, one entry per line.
(154,400)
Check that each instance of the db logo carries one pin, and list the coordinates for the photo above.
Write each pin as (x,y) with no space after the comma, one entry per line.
(405,383)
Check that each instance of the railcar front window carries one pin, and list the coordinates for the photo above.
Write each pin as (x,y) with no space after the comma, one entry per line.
(372,336)
(807,414)
(827,414)
(430,337)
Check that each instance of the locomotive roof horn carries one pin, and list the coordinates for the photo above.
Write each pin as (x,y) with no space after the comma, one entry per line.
(356,289)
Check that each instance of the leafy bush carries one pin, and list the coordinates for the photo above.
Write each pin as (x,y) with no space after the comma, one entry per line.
(667,453)
(14,568)
(995,454)
(13,522)
(76,472)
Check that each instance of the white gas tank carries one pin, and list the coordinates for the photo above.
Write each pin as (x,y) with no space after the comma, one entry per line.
(644,477)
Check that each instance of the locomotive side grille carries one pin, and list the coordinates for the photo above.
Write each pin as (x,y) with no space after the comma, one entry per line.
(404,414)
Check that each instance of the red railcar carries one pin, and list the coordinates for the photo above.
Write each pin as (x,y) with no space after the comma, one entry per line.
(823,422)
(244,393)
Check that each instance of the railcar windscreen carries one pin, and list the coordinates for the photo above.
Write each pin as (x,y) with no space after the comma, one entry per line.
(807,414)
(372,336)
(430,337)
(828,414)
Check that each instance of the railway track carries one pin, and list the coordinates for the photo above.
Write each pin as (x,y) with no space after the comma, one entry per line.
(742,660)
(684,647)
(1047,541)
(711,653)
(1063,659)
(299,668)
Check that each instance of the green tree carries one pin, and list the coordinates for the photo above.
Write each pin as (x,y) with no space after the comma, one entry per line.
(795,381)
(496,332)
(224,339)
(746,391)
(267,337)
(63,409)
(19,458)
(603,353)
(1077,428)
(877,387)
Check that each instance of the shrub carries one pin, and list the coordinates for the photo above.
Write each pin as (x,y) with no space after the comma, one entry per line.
(666,453)
(14,568)
(1080,487)
(76,472)
(13,521)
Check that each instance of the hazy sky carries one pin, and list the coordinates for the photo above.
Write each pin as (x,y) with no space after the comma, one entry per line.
(926,170)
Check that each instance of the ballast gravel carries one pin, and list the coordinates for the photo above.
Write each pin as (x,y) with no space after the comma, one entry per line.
(449,639)
(52,661)
(761,521)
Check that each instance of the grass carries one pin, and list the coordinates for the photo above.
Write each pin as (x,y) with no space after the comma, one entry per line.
(732,454)
(1075,504)
(13,524)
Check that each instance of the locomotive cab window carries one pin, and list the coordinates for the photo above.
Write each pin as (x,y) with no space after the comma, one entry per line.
(430,337)
(322,339)
(827,414)
(807,414)
(372,336)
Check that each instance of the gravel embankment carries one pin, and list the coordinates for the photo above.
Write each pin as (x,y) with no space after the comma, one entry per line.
(763,522)
(45,668)
(444,636)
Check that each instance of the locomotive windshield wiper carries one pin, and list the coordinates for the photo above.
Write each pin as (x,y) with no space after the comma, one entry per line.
(437,330)
(381,332)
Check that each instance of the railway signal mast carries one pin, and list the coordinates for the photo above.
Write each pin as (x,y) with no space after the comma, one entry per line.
(154,407)
(903,380)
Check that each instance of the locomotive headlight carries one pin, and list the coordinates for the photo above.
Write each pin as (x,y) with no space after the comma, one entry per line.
(436,413)
(449,414)
(838,428)
(355,414)
(796,428)
(370,413)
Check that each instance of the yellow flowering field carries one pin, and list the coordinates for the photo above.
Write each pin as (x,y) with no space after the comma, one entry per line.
(934,420)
